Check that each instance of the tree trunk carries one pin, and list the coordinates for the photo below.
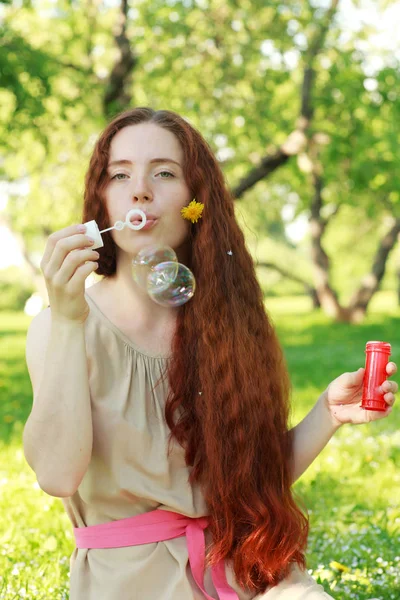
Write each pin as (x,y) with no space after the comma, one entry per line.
(370,284)
(327,297)
(314,298)
(117,97)
(356,310)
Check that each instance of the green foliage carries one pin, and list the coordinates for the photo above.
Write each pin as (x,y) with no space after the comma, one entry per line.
(14,290)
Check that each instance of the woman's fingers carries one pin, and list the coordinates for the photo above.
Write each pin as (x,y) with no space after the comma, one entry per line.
(389,398)
(389,386)
(391,368)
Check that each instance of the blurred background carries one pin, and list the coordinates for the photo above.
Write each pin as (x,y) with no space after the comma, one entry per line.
(300,100)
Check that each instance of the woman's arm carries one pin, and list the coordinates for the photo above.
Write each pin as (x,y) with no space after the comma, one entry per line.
(58,436)
(340,403)
(311,436)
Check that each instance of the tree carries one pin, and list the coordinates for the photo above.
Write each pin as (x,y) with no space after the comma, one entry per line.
(280,96)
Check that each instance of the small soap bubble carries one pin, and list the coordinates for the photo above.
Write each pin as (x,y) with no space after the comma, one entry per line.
(178,291)
(145,261)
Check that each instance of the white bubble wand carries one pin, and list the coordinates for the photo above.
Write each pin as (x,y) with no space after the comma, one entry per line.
(92,229)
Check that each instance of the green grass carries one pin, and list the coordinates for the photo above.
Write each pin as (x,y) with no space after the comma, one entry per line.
(351,489)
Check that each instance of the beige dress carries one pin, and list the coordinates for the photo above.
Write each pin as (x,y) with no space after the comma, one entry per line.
(130,474)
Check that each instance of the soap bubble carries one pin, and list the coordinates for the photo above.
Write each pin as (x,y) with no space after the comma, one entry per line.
(169,286)
(157,271)
(148,258)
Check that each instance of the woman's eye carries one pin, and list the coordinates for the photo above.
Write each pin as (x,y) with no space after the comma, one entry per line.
(119,175)
(167,172)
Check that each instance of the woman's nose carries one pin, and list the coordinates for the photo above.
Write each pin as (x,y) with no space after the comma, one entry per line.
(141,190)
(138,197)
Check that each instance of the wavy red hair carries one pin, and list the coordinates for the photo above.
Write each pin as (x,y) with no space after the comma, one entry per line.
(235,433)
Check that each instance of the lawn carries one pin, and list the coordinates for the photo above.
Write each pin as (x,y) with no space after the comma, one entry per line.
(351,489)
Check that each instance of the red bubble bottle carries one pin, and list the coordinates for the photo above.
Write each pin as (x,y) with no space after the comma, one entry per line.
(377,357)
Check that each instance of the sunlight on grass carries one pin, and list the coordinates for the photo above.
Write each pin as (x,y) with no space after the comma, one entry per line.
(351,489)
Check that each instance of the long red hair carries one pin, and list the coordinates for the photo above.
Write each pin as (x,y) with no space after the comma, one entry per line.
(235,432)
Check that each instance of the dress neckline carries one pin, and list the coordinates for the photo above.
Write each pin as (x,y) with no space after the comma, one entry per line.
(121,334)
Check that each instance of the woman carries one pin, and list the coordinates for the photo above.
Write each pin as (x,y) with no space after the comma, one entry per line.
(178,413)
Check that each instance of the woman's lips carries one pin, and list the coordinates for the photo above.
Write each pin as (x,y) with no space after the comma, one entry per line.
(149,223)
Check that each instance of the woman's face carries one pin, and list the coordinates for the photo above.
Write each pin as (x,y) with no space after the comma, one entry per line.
(136,180)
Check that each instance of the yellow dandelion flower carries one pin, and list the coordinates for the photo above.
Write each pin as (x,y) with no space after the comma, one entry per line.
(193,211)
(339,567)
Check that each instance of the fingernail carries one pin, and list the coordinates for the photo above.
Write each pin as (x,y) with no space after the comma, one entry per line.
(82,228)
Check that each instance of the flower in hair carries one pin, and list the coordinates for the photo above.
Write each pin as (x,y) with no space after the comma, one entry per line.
(193,211)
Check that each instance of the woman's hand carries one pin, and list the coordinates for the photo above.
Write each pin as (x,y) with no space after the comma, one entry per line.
(67,261)
(343,397)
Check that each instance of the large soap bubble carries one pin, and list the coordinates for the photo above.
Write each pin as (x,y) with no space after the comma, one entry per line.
(157,271)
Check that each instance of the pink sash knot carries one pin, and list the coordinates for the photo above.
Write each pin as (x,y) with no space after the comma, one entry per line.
(157,526)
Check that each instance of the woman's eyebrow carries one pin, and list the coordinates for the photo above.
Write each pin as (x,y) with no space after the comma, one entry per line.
(125,161)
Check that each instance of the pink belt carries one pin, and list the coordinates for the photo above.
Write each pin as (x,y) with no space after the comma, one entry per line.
(157,526)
